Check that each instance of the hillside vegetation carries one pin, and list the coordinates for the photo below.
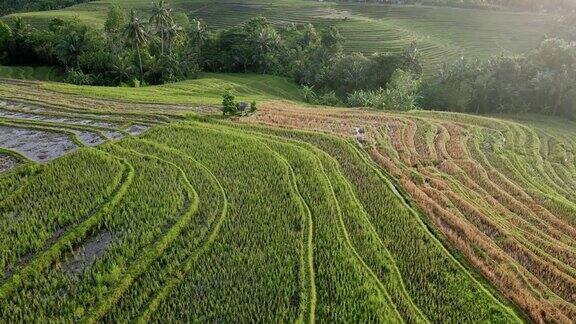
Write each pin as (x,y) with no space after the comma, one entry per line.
(44,73)
(441,33)
(10,6)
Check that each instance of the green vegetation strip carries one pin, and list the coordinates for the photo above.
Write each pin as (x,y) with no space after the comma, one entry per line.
(38,264)
(151,253)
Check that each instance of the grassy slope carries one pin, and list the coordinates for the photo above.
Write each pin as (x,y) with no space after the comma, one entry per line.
(208,89)
(440,32)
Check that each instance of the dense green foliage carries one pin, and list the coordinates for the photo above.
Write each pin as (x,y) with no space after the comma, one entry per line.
(134,51)
(542,81)
(229,105)
(126,50)
(441,33)
(130,50)
(43,73)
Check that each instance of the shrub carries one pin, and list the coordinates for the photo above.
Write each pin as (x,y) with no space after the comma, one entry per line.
(360,98)
(135,83)
(329,98)
(229,105)
(253,106)
(76,76)
(308,94)
(5,34)
(401,94)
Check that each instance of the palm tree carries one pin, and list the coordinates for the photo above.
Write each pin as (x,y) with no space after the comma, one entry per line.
(198,33)
(69,48)
(136,33)
(171,33)
(161,18)
(266,42)
(121,70)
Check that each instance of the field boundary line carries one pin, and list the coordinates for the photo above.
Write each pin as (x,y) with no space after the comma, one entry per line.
(46,258)
(143,262)
(64,126)
(309,242)
(294,191)
(403,200)
(73,136)
(380,287)
(191,261)
(353,250)
(315,151)
(389,256)
(161,119)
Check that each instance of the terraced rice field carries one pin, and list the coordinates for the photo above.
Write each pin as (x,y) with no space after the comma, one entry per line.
(441,33)
(214,221)
(292,214)
(500,191)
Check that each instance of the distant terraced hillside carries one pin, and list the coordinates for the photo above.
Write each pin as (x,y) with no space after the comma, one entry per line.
(441,33)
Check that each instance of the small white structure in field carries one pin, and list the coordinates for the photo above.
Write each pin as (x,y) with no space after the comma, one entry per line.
(360,134)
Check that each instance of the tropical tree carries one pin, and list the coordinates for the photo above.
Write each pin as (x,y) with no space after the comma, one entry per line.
(162,19)
(198,34)
(21,43)
(266,45)
(136,34)
(171,33)
(5,35)
(69,48)
(115,20)
(121,70)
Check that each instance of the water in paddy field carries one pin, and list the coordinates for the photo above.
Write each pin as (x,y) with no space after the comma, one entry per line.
(45,145)
(37,145)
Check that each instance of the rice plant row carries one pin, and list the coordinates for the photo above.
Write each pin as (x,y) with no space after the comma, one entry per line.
(500,191)
(203,221)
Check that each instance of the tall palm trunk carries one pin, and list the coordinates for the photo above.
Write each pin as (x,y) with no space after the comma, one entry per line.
(162,40)
(140,61)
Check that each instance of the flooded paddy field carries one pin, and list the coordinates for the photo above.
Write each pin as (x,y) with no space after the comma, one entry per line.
(43,133)
(37,145)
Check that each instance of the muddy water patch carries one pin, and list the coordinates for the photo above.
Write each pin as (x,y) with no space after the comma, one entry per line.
(40,146)
(137,129)
(85,256)
(89,138)
(54,119)
(113,134)
(18,106)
